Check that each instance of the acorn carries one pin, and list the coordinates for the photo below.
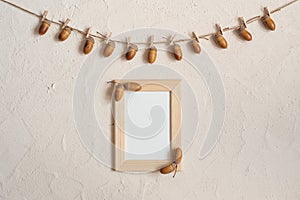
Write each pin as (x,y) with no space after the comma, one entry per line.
(152,53)
(177,52)
(168,169)
(178,156)
(109,49)
(245,34)
(173,166)
(44,27)
(131,51)
(221,41)
(119,90)
(269,23)
(64,34)
(88,46)
(131,86)
(196,46)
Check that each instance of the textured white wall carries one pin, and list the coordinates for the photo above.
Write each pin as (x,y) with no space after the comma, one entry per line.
(257,156)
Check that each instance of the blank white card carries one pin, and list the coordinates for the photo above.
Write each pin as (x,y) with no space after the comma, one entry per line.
(147,125)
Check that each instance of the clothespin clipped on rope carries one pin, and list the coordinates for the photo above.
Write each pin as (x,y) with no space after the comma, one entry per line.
(268,21)
(177,52)
(65,31)
(131,49)
(89,42)
(45,24)
(196,43)
(244,33)
(219,38)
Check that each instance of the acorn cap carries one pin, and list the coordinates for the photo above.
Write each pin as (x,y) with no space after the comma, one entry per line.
(133,46)
(91,39)
(68,29)
(112,44)
(153,48)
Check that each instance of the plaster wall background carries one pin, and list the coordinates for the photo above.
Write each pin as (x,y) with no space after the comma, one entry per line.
(257,156)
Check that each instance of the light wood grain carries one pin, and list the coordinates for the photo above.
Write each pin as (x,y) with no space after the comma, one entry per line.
(121,164)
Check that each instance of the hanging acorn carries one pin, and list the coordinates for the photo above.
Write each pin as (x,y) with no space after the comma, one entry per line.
(131,51)
(152,51)
(244,33)
(219,38)
(109,48)
(65,32)
(89,44)
(174,165)
(196,46)
(119,91)
(195,43)
(44,27)
(221,41)
(132,86)
(168,169)
(268,21)
(45,24)
(177,52)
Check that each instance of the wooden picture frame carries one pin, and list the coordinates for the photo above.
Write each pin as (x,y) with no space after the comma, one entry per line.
(173,87)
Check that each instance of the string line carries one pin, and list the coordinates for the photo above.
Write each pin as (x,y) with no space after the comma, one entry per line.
(103,37)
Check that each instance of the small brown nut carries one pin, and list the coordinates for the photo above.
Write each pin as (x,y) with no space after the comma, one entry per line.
(178,156)
(196,46)
(89,44)
(131,86)
(152,53)
(119,91)
(132,49)
(177,52)
(269,23)
(221,41)
(64,34)
(44,27)
(109,49)
(168,169)
(245,34)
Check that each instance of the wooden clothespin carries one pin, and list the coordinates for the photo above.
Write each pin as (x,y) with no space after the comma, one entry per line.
(195,43)
(267,12)
(108,36)
(243,23)
(128,41)
(88,32)
(195,37)
(151,41)
(44,15)
(65,23)
(171,40)
(219,29)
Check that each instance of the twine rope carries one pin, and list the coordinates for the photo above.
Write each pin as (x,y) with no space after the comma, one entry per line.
(104,37)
